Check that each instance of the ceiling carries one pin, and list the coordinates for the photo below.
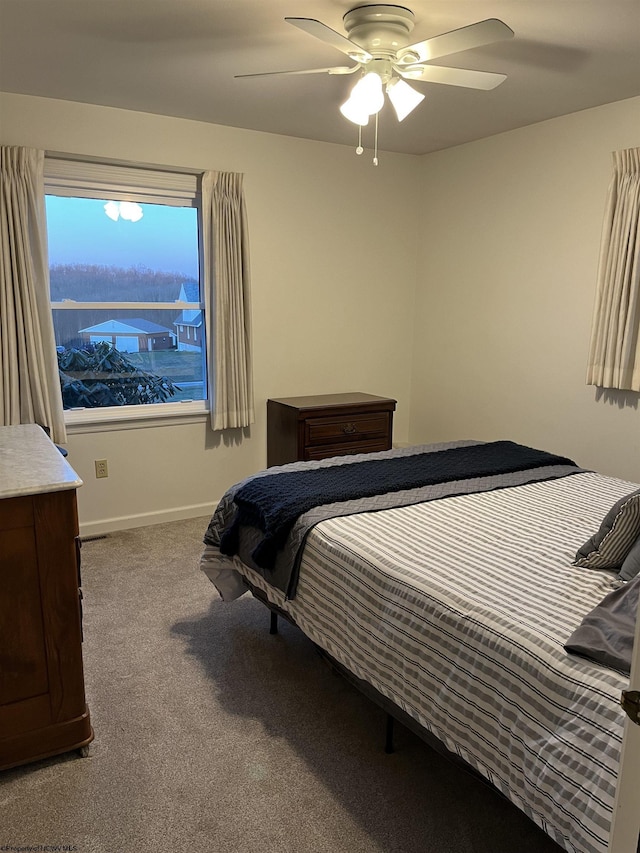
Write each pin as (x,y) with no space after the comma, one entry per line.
(179,58)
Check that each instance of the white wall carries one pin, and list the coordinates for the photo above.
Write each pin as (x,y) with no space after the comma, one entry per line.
(509,251)
(492,343)
(332,294)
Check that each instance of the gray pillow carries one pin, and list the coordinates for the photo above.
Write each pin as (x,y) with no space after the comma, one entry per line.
(606,633)
(631,566)
(620,528)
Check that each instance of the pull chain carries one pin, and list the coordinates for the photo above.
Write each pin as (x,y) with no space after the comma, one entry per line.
(359,149)
(375,150)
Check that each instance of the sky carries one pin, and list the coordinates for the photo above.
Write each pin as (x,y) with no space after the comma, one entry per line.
(164,239)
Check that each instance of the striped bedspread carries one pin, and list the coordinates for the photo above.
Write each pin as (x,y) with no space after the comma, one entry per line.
(457,610)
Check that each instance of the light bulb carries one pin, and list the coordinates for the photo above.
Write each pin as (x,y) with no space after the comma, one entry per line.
(368,94)
(352,111)
(112,210)
(131,211)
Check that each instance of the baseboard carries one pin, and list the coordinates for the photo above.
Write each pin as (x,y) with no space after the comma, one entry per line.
(145,519)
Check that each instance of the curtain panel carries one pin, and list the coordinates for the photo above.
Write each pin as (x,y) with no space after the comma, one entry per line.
(29,381)
(614,354)
(227,300)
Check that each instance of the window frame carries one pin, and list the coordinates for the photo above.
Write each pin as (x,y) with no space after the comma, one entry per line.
(119,181)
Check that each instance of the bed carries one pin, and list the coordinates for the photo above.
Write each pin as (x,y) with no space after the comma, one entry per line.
(453,596)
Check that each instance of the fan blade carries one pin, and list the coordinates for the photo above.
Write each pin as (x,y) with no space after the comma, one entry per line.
(465,38)
(326,34)
(453,76)
(339,69)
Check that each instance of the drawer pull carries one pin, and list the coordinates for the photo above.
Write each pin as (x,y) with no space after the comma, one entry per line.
(349,429)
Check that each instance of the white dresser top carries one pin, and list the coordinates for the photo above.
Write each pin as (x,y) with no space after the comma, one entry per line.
(31,464)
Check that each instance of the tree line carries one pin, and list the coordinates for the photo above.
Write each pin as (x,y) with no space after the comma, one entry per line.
(97,283)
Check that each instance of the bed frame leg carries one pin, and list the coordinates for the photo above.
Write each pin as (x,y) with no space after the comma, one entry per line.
(273,627)
(388,743)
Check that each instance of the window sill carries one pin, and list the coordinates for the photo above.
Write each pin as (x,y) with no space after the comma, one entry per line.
(80,421)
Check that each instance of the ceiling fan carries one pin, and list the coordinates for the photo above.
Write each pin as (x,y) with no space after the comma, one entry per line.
(377,42)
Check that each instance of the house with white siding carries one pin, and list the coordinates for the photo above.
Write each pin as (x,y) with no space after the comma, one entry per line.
(137,335)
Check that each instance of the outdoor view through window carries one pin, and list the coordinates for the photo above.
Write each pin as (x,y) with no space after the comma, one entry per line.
(128,262)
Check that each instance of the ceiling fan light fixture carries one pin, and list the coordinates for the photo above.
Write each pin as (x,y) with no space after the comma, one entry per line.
(377,39)
(403,97)
(128,210)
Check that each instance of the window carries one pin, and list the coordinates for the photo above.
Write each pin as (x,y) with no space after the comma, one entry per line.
(125,277)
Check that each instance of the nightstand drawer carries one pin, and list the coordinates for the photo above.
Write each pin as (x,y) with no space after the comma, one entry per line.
(346,428)
(323,451)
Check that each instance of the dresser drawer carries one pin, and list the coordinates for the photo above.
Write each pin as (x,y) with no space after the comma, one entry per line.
(346,427)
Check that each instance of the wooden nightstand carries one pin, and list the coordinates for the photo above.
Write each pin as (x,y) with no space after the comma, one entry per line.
(301,428)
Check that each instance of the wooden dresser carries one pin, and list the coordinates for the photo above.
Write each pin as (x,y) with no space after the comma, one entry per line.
(43,710)
(300,428)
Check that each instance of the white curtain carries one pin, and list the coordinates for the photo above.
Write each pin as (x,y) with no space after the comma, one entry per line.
(29,382)
(614,355)
(227,300)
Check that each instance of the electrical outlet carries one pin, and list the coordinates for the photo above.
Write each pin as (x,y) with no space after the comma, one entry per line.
(101,468)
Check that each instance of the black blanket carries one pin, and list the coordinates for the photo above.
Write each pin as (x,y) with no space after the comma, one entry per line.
(273,503)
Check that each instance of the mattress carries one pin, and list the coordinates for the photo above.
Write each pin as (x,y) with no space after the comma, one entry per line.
(457,610)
